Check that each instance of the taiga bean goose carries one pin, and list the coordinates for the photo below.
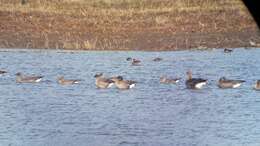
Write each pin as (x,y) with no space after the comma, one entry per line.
(228,50)
(136,62)
(123,84)
(227,83)
(165,80)
(61,80)
(194,83)
(20,78)
(102,82)
(2,72)
(157,59)
(257,85)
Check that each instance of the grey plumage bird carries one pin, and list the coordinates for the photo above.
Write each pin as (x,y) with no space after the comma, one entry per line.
(123,84)
(102,82)
(157,59)
(20,78)
(165,80)
(194,83)
(228,50)
(61,80)
(2,72)
(228,83)
(257,85)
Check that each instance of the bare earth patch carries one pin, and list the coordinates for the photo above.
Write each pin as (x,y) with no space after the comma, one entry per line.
(126,25)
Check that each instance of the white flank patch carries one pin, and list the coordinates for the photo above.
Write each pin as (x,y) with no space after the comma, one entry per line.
(110,85)
(177,81)
(76,82)
(200,85)
(38,80)
(132,86)
(236,85)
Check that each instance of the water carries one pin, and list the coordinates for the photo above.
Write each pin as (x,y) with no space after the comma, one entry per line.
(152,114)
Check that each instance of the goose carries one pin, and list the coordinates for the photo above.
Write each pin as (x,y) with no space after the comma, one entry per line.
(165,80)
(128,59)
(227,83)
(228,50)
(61,80)
(157,59)
(257,85)
(123,84)
(194,83)
(2,72)
(102,82)
(136,62)
(20,78)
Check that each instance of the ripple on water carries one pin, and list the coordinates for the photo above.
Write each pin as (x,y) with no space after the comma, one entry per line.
(150,114)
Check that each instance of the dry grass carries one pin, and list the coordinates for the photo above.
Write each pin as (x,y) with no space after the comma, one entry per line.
(112,7)
(119,24)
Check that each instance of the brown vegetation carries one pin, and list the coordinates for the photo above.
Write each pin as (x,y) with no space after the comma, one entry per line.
(125,24)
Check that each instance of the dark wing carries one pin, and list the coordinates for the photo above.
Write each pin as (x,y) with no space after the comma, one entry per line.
(192,82)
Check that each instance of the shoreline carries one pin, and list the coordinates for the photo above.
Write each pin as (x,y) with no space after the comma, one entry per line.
(84,51)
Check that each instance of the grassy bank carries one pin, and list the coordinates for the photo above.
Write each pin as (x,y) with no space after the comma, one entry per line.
(125,24)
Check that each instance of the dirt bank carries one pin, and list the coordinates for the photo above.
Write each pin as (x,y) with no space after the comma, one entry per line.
(109,26)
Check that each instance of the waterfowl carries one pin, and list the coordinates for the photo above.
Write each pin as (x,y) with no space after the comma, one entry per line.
(123,84)
(228,50)
(257,85)
(165,80)
(128,59)
(2,72)
(227,83)
(194,83)
(136,61)
(102,82)
(157,59)
(20,78)
(61,80)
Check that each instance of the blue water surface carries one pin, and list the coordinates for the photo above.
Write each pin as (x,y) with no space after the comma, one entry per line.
(151,114)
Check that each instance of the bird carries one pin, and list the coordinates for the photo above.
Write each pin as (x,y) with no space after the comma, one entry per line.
(227,83)
(157,59)
(61,80)
(128,59)
(257,85)
(194,83)
(123,84)
(102,82)
(165,80)
(2,72)
(228,50)
(136,62)
(20,78)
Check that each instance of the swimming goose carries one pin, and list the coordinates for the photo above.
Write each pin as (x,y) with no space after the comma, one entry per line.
(136,61)
(257,85)
(194,83)
(165,80)
(228,50)
(123,84)
(157,59)
(61,80)
(226,83)
(27,79)
(128,59)
(102,82)
(2,72)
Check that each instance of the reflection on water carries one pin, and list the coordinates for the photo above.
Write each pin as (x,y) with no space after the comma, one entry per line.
(151,114)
